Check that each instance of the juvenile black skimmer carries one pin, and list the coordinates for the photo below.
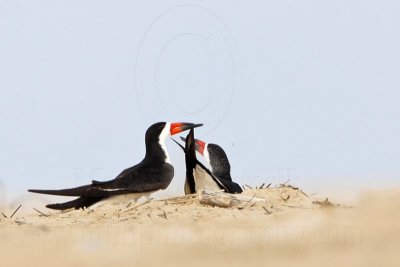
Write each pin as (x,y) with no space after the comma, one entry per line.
(198,177)
(153,173)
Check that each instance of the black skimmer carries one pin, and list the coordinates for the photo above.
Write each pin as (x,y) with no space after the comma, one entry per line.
(198,177)
(153,173)
(215,156)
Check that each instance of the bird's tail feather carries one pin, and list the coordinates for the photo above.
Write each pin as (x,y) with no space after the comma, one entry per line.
(70,192)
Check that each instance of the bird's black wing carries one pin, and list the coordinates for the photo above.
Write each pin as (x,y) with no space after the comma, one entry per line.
(227,185)
(129,181)
(97,191)
(230,186)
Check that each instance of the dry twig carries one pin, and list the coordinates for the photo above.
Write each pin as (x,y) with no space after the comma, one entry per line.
(12,215)
(41,213)
(266,210)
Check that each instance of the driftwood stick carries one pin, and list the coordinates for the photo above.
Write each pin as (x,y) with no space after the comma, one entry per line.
(5,216)
(225,200)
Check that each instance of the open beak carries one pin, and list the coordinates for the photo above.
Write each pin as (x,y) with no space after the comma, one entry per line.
(178,127)
(200,145)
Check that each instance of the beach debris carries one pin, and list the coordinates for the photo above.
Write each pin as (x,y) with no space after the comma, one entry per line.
(266,210)
(250,203)
(41,213)
(324,204)
(12,215)
(225,200)
(19,222)
(187,199)
(138,205)
(164,215)
(263,186)
(284,184)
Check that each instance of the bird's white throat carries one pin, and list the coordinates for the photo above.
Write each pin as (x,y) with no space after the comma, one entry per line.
(162,138)
(207,156)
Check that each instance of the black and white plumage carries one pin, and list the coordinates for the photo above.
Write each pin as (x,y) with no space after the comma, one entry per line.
(216,157)
(153,173)
(198,177)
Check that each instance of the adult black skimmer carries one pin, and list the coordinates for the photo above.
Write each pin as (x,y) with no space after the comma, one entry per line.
(198,177)
(215,157)
(153,173)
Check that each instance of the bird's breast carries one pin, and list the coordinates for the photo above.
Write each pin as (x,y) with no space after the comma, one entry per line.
(203,181)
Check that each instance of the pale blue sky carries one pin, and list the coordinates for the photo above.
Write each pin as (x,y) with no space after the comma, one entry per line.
(308,90)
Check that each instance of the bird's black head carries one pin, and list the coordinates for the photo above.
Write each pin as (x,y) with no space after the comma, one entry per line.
(156,135)
(154,131)
(218,160)
(215,156)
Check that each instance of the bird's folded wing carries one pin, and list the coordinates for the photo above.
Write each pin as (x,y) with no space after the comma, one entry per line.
(210,174)
(229,186)
(106,189)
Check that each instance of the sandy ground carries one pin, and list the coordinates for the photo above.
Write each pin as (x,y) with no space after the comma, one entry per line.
(288,228)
